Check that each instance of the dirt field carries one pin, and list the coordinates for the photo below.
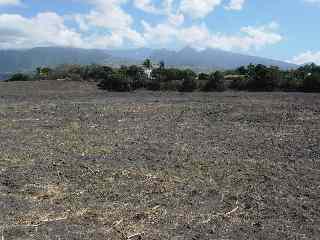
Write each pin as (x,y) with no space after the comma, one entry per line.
(79,163)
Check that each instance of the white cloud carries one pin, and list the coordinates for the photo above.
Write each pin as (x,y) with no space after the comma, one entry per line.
(159,35)
(146,5)
(198,9)
(165,8)
(49,29)
(108,25)
(262,36)
(10,2)
(307,57)
(109,16)
(200,37)
(312,1)
(176,19)
(45,29)
(236,5)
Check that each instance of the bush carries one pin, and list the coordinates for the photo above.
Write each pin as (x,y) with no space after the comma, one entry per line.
(153,85)
(170,74)
(67,72)
(201,84)
(239,83)
(116,81)
(123,79)
(263,78)
(19,77)
(128,78)
(137,75)
(290,82)
(312,83)
(172,79)
(188,85)
(204,76)
(96,73)
(175,85)
(216,83)
(75,77)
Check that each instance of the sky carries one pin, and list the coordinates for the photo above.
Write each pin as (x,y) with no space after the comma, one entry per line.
(280,29)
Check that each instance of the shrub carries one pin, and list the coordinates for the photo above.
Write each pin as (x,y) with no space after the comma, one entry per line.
(312,83)
(203,76)
(239,83)
(97,73)
(75,77)
(138,76)
(216,83)
(263,78)
(170,74)
(290,82)
(68,72)
(19,77)
(186,74)
(153,85)
(172,79)
(201,84)
(116,81)
(175,85)
(188,85)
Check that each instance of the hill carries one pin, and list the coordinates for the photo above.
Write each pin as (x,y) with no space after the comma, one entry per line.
(26,60)
(4,76)
(213,59)
(138,54)
(209,59)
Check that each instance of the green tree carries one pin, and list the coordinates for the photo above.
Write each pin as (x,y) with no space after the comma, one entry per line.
(189,83)
(45,72)
(242,70)
(204,76)
(216,82)
(263,78)
(162,65)
(289,81)
(117,81)
(312,82)
(19,77)
(137,75)
(147,63)
(38,71)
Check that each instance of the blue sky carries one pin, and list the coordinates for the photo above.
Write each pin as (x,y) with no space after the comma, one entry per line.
(279,29)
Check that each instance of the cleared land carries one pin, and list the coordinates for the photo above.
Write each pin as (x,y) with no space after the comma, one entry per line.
(79,163)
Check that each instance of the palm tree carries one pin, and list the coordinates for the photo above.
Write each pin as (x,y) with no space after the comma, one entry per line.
(161,65)
(147,63)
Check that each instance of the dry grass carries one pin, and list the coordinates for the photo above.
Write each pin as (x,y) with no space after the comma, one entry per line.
(78,163)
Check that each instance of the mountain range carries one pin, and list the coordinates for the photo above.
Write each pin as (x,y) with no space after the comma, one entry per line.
(205,60)
(4,76)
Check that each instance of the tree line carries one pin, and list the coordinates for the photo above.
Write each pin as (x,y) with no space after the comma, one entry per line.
(159,78)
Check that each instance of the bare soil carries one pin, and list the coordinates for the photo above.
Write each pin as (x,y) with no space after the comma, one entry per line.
(80,163)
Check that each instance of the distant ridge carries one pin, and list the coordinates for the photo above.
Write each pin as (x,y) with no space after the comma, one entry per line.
(189,57)
(30,59)
(4,76)
(208,59)
(214,59)
(132,54)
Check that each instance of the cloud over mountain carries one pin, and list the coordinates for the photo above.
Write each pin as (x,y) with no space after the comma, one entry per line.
(107,24)
(238,25)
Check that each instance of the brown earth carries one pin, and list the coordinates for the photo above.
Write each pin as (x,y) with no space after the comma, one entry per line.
(79,163)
